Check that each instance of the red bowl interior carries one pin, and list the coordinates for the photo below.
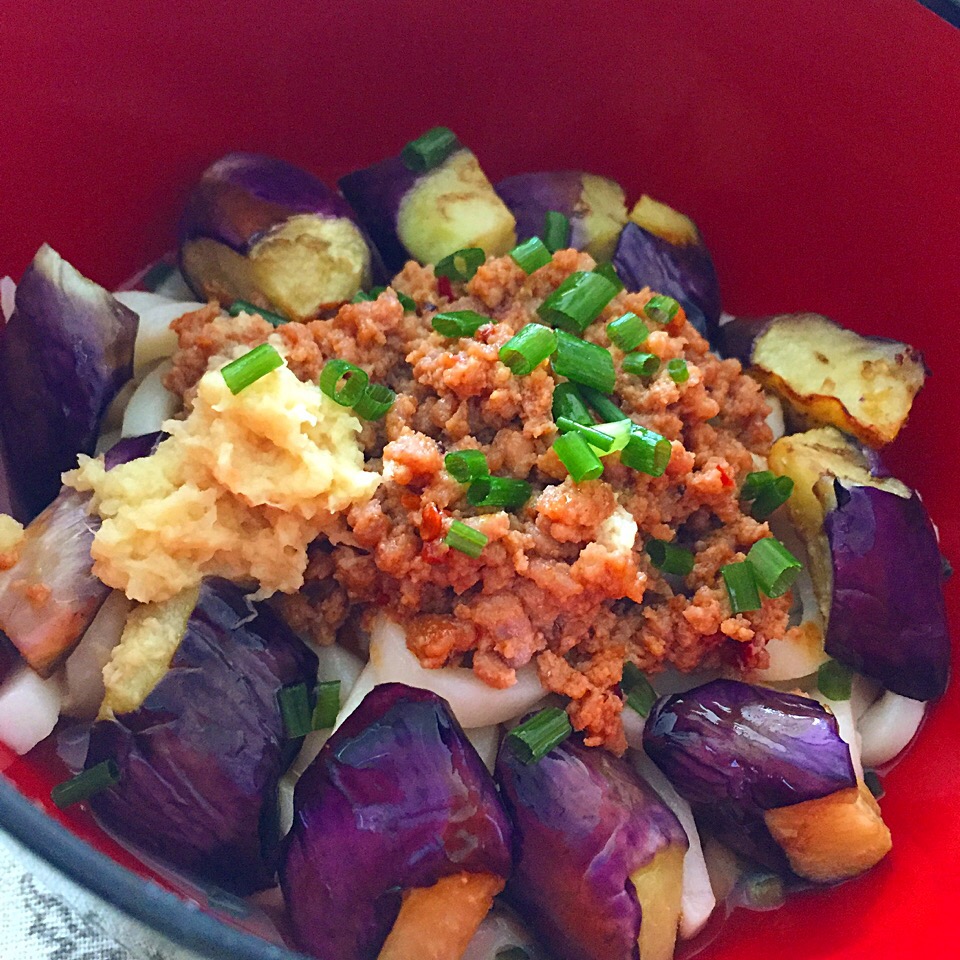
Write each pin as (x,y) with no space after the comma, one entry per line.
(816,144)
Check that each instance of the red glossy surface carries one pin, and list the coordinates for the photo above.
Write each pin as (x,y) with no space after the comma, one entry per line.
(817,144)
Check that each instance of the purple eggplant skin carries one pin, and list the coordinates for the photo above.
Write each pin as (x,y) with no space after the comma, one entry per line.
(682,271)
(397,799)
(201,758)
(887,616)
(132,448)
(584,823)
(65,353)
(11,503)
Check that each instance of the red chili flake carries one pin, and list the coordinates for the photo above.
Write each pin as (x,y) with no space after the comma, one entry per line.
(725,478)
(676,324)
(431,522)
(444,287)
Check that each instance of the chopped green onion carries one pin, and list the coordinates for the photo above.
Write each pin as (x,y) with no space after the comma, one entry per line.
(677,368)
(771,497)
(627,332)
(466,465)
(584,363)
(157,275)
(568,403)
(375,402)
(834,680)
(774,566)
(575,454)
(84,785)
(874,784)
(408,303)
(741,586)
(641,364)
(244,306)
(429,150)
(367,296)
(618,432)
(609,271)
(670,558)
(464,538)
(646,451)
(511,953)
(461,265)
(755,483)
(295,710)
(597,439)
(556,231)
(528,348)
(602,406)
(506,492)
(638,694)
(354,380)
(661,309)
(460,323)
(535,738)
(577,302)
(240,373)
(328,705)
(531,255)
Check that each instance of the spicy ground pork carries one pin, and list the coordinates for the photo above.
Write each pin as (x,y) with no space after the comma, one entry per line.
(565,580)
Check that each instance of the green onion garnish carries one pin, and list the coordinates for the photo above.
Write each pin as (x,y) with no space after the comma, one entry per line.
(638,694)
(576,455)
(240,373)
(774,566)
(767,491)
(84,785)
(429,150)
(741,586)
(609,271)
(596,438)
(295,710)
(354,380)
(567,402)
(873,784)
(466,465)
(618,432)
(535,738)
(661,309)
(602,406)
(464,538)
(528,348)
(670,558)
(577,302)
(244,306)
(641,364)
(627,332)
(368,296)
(375,402)
(408,303)
(531,255)
(755,483)
(506,492)
(584,363)
(461,265)
(328,705)
(677,368)
(511,953)
(556,231)
(834,680)
(646,451)
(460,323)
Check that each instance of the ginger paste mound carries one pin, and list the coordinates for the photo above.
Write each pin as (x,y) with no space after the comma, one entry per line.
(564,580)
(239,490)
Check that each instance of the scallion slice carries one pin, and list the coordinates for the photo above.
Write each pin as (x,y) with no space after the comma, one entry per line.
(244,306)
(577,302)
(670,558)
(638,694)
(328,705)
(240,373)
(741,586)
(597,439)
(354,380)
(834,680)
(466,465)
(646,451)
(367,296)
(602,405)
(641,364)
(408,303)
(460,265)
(755,483)
(774,566)
(464,538)
(535,738)
(429,150)
(677,368)
(375,402)
(661,309)
(609,271)
(506,492)
(528,348)
(772,496)
(578,457)
(556,231)
(584,363)
(459,323)
(567,402)
(295,710)
(618,432)
(84,785)
(531,255)
(627,332)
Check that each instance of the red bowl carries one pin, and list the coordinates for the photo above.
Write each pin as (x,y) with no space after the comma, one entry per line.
(816,144)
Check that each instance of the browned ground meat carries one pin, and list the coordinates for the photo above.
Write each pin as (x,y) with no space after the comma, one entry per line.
(544,587)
